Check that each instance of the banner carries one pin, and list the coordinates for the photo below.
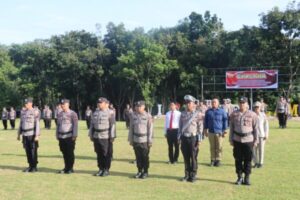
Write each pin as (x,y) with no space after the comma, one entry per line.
(265,79)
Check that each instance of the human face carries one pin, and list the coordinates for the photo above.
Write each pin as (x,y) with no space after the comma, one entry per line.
(243,106)
(257,109)
(65,106)
(215,103)
(141,108)
(190,106)
(102,105)
(28,105)
(172,106)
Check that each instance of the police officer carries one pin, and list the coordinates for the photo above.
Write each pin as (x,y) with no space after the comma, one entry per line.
(56,111)
(190,136)
(66,133)
(12,117)
(243,137)
(88,115)
(47,114)
(282,110)
(4,118)
(30,130)
(102,133)
(126,115)
(140,137)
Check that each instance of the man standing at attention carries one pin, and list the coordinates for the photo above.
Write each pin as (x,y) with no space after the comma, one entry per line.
(215,125)
(171,130)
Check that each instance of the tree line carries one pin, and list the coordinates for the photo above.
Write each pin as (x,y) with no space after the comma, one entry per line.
(158,66)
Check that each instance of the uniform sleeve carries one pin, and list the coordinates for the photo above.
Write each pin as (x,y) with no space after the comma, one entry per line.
(20,127)
(224,121)
(166,123)
(112,126)
(150,129)
(75,124)
(266,126)
(200,127)
(180,128)
(255,127)
(90,134)
(206,120)
(57,126)
(231,126)
(130,131)
(37,125)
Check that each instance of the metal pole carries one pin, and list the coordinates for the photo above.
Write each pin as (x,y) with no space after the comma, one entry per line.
(202,87)
(251,96)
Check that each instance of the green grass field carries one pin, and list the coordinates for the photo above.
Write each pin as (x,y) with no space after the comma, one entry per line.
(278,179)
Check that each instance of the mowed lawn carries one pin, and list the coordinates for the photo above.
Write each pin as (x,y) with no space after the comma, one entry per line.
(278,179)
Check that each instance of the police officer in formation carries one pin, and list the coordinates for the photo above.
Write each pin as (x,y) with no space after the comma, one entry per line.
(88,115)
(30,131)
(47,115)
(66,134)
(102,133)
(243,137)
(126,115)
(4,118)
(12,115)
(282,110)
(56,111)
(140,137)
(190,135)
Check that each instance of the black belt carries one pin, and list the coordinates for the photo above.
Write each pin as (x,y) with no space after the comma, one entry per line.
(139,135)
(61,133)
(100,130)
(27,130)
(242,134)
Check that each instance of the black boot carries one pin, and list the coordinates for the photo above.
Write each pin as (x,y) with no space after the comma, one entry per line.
(186,177)
(247,180)
(138,174)
(239,181)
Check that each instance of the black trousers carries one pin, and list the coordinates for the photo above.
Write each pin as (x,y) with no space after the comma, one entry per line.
(67,147)
(127,120)
(88,122)
(31,147)
(173,145)
(189,148)
(47,123)
(243,153)
(102,149)
(12,123)
(142,151)
(55,120)
(4,121)
(282,118)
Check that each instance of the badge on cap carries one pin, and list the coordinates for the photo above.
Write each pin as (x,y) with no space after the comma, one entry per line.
(28,100)
(63,101)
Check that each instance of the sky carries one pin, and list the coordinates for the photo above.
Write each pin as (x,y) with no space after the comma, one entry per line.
(25,20)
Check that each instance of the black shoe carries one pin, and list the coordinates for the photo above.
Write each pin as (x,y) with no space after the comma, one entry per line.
(185,179)
(217,163)
(70,171)
(27,169)
(99,173)
(239,181)
(169,162)
(259,165)
(175,162)
(105,173)
(138,175)
(246,181)
(63,171)
(33,169)
(192,179)
(212,163)
(144,175)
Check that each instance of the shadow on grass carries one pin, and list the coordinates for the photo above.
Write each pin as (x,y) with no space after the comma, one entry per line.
(112,173)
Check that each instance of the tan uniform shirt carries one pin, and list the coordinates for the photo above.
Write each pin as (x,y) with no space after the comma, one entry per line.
(67,124)
(141,128)
(189,128)
(246,122)
(29,123)
(102,125)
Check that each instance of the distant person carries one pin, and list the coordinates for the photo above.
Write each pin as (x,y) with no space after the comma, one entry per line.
(29,129)
(56,111)
(264,106)
(47,115)
(126,115)
(282,111)
(215,125)
(4,118)
(12,117)
(171,129)
(88,115)
(262,134)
